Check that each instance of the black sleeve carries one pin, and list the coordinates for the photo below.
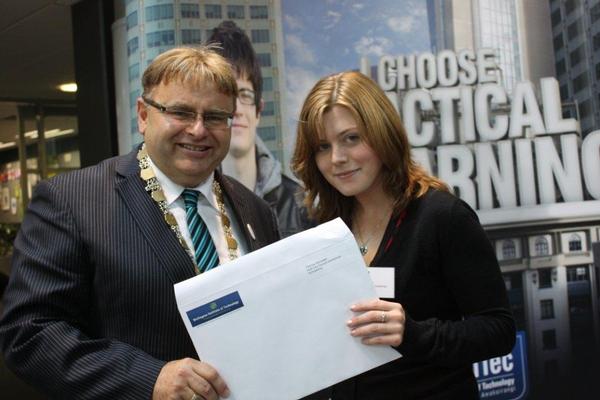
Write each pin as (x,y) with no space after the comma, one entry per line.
(47,308)
(472,274)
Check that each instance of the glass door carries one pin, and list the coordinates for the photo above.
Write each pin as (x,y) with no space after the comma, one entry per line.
(47,145)
(36,142)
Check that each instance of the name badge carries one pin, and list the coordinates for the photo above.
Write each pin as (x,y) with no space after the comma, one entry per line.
(383,279)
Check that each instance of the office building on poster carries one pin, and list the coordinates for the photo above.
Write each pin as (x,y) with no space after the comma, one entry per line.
(153,26)
(518,32)
(487,112)
(576,41)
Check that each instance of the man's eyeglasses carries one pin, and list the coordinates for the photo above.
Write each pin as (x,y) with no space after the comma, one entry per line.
(210,120)
(247,97)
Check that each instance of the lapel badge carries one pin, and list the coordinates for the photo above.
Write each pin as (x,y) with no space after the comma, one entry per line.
(251,231)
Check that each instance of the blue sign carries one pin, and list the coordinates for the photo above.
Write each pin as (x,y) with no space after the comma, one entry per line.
(504,378)
(215,308)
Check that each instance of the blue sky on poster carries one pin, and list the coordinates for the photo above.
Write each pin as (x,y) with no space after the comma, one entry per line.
(324,37)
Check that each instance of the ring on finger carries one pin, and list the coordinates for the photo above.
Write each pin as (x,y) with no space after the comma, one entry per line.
(383,317)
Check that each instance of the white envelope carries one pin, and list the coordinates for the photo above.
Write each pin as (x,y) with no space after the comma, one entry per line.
(273,323)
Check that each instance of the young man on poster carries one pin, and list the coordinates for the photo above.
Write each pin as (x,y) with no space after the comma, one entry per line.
(249,160)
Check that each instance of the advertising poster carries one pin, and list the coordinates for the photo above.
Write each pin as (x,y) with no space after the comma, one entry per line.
(500,100)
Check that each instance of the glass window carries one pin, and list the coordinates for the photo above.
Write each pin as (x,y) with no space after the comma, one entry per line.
(133,97)
(134,125)
(578,273)
(570,6)
(269,108)
(541,246)
(581,82)
(574,29)
(545,276)
(569,113)
(190,10)
(191,36)
(132,20)
(514,288)
(509,251)
(267,133)
(278,154)
(132,46)
(547,309)
(264,59)
(549,339)
(235,12)
(259,12)
(558,42)
(585,110)
(260,35)
(134,72)
(574,242)
(577,56)
(595,13)
(564,91)
(596,41)
(161,11)
(160,38)
(212,11)
(513,280)
(556,17)
(561,67)
(267,84)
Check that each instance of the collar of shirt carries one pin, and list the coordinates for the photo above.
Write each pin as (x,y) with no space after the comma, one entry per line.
(208,210)
(173,190)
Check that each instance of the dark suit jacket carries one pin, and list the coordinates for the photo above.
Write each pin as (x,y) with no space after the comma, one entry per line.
(90,310)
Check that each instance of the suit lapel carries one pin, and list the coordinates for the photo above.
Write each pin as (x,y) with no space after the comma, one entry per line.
(150,221)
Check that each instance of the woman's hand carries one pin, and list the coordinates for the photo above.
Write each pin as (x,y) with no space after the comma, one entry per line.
(381,322)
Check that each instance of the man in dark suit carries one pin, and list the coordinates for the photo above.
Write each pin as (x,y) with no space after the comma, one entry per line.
(90,310)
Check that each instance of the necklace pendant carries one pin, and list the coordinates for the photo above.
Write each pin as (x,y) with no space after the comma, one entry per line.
(363,249)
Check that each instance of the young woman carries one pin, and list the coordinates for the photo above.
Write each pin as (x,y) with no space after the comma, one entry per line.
(450,307)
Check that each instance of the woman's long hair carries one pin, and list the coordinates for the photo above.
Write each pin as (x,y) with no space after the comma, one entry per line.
(379,126)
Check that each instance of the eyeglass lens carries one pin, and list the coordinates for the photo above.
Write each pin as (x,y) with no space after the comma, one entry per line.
(216,120)
(247,97)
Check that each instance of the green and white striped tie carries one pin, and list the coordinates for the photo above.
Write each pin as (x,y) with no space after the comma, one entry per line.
(205,252)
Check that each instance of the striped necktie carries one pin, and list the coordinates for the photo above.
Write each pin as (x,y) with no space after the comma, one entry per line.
(205,252)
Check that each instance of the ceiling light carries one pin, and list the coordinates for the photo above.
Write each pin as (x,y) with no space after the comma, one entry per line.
(68,87)
(7,144)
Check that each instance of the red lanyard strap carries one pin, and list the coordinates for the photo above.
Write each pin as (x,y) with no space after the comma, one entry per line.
(398,223)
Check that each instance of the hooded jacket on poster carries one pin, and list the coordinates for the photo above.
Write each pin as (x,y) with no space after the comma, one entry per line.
(283,194)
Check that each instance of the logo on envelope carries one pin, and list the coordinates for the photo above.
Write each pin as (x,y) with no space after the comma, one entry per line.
(215,308)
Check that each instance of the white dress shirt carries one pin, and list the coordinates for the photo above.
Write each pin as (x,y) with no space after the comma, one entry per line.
(208,210)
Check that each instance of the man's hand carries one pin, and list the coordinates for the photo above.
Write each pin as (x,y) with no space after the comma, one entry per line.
(181,379)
